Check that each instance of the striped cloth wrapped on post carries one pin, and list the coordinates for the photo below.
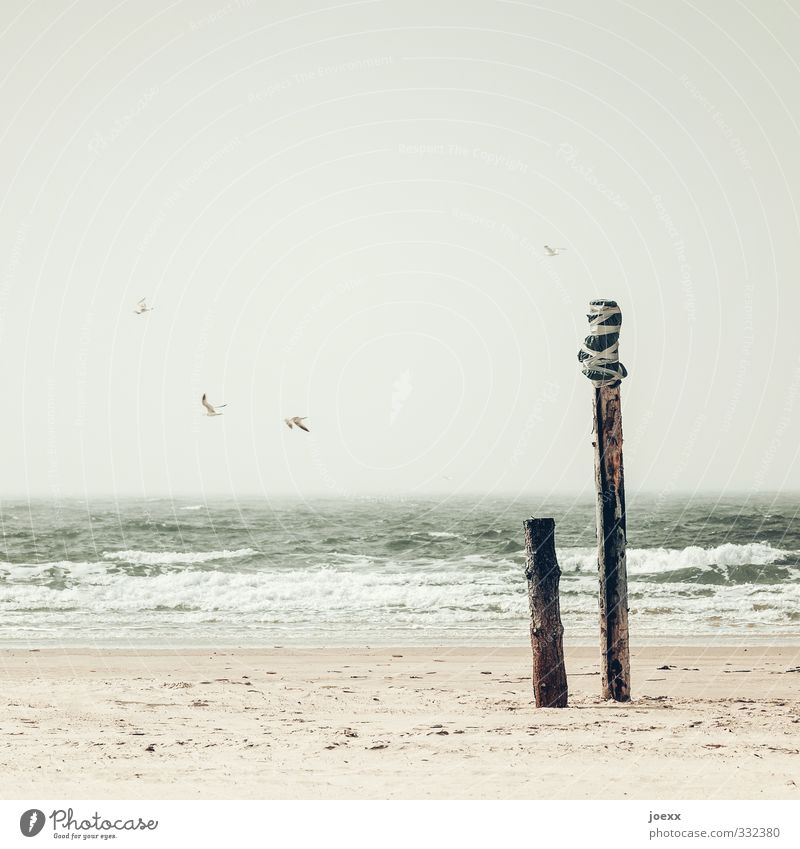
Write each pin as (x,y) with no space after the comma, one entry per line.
(599,354)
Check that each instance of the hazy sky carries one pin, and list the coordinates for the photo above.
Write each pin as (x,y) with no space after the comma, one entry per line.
(338,210)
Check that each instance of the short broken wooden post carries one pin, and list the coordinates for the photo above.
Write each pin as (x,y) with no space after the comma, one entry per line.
(600,360)
(547,632)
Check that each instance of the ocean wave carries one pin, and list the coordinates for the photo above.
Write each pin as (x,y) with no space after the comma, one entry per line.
(313,593)
(36,572)
(370,601)
(166,558)
(645,560)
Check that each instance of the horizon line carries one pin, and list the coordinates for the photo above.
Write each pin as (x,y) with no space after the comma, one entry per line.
(409,494)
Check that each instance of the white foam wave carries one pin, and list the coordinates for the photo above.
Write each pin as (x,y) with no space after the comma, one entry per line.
(166,558)
(36,571)
(351,594)
(314,592)
(644,560)
(348,600)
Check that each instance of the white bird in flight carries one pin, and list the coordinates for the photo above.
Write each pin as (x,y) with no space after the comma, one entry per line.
(553,251)
(297,420)
(210,409)
(142,307)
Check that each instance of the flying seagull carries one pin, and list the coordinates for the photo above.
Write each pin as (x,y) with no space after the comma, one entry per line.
(210,409)
(297,420)
(553,251)
(142,307)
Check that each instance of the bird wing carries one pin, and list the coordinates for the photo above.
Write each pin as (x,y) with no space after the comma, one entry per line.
(208,406)
(549,250)
(298,420)
(289,423)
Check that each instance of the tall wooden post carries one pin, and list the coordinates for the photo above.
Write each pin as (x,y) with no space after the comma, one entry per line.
(600,359)
(547,632)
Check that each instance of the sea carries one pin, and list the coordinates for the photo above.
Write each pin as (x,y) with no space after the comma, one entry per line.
(385,571)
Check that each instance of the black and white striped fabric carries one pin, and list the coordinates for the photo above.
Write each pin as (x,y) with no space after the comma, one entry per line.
(599,354)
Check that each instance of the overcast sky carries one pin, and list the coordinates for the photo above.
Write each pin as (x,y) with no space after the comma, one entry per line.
(338,210)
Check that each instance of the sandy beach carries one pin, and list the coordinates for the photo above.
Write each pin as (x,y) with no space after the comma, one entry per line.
(395,723)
